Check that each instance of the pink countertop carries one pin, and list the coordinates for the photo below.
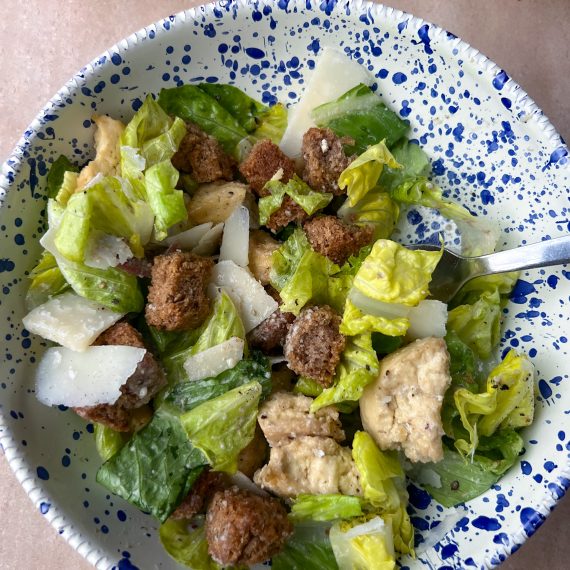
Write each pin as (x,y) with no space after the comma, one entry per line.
(43,42)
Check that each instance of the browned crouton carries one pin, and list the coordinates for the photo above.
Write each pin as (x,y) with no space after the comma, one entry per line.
(254,454)
(245,528)
(200,495)
(262,163)
(270,335)
(177,299)
(202,156)
(314,344)
(126,414)
(330,236)
(324,159)
(289,212)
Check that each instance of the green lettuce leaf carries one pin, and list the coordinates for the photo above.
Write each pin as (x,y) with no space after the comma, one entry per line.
(325,507)
(56,175)
(108,441)
(414,163)
(395,274)
(363,544)
(385,344)
(308,549)
(358,366)
(223,426)
(361,115)
(46,282)
(308,387)
(271,125)
(362,174)
(354,322)
(187,543)
(155,470)
(376,209)
(300,192)
(72,235)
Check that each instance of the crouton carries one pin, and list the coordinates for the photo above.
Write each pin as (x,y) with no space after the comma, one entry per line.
(314,344)
(288,212)
(243,528)
(200,495)
(330,236)
(254,454)
(313,465)
(401,409)
(325,159)
(262,163)
(269,336)
(261,248)
(284,417)
(177,299)
(145,382)
(202,156)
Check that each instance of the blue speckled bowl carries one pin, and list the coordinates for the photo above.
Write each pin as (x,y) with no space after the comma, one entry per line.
(492,149)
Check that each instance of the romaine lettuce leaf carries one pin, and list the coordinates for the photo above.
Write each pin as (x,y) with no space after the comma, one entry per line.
(56,174)
(271,125)
(362,174)
(414,163)
(72,234)
(187,544)
(385,344)
(395,274)
(363,544)
(361,115)
(108,441)
(46,282)
(358,366)
(308,387)
(298,190)
(354,322)
(325,507)
(223,426)
(376,209)
(155,470)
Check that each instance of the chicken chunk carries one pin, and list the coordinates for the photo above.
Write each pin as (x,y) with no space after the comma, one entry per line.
(261,248)
(245,528)
(336,240)
(313,465)
(177,299)
(107,145)
(314,344)
(202,156)
(264,161)
(401,409)
(146,381)
(269,336)
(200,495)
(325,159)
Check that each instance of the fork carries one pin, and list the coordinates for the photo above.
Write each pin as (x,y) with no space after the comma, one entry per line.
(454,270)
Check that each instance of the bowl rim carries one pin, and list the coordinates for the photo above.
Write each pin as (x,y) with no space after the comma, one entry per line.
(91,551)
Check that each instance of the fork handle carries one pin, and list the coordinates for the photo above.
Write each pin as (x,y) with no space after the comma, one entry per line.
(542,254)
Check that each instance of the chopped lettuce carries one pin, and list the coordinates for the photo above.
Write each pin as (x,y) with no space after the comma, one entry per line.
(223,426)
(363,544)
(354,322)
(56,175)
(325,507)
(376,209)
(302,275)
(508,401)
(395,274)
(47,281)
(298,190)
(308,387)
(358,366)
(72,234)
(362,174)
(361,115)
(385,344)
(108,441)
(272,125)
(186,543)
(155,470)
(414,163)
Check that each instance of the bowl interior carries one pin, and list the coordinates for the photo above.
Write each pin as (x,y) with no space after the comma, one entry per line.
(491,149)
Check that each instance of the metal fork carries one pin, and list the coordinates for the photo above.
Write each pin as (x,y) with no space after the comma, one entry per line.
(454,270)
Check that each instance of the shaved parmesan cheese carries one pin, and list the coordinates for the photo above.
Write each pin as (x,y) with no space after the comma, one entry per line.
(252,302)
(427,319)
(70,320)
(210,241)
(87,378)
(334,74)
(190,238)
(214,360)
(235,243)
(104,251)
(242,481)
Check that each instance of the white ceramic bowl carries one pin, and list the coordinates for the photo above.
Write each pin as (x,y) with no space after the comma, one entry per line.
(492,149)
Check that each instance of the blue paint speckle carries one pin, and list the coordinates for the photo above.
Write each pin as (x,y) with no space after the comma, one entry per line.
(43,473)
(44,507)
(486,523)
(399,77)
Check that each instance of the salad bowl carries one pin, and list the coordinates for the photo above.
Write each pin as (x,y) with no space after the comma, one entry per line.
(491,149)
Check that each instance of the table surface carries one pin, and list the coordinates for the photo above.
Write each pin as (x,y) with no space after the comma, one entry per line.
(524,37)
